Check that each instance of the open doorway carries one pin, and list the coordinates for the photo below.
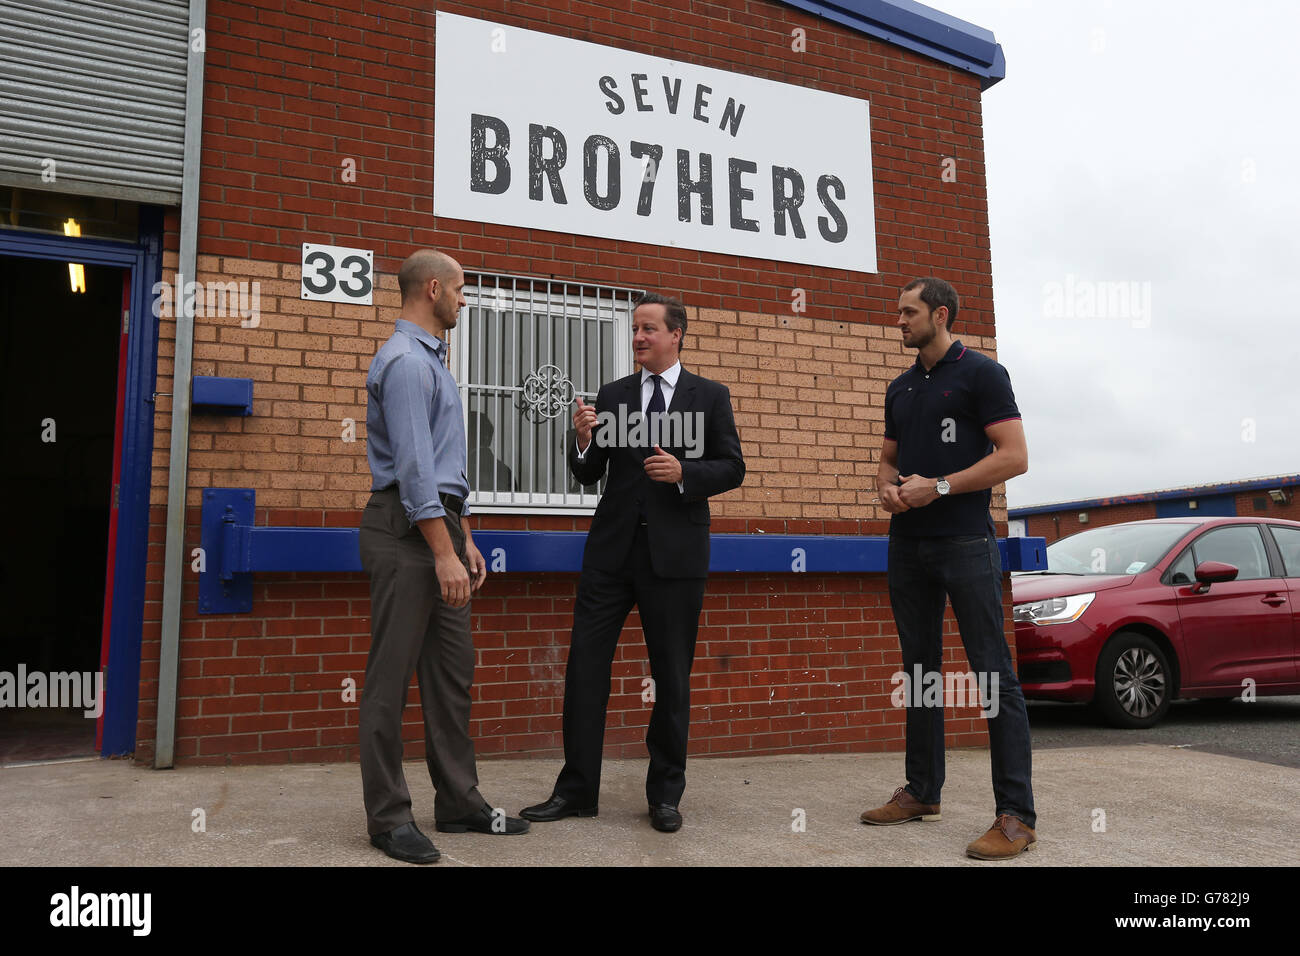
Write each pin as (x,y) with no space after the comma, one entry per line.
(62,358)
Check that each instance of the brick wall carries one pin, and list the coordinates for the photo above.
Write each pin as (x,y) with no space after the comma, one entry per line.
(808,396)
(292,89)
(1058,524)
(784,663)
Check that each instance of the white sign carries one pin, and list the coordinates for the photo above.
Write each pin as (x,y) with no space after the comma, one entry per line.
(338,274)
(544,132)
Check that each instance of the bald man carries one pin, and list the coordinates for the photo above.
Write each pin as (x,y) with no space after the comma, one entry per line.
(423,567)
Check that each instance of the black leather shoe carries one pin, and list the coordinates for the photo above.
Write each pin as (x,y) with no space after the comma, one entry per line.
(408,844)
(665,818)
(557,808)
(485,820)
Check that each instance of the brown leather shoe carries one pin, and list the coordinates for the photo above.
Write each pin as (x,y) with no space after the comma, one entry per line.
(902,806)
(1007,837)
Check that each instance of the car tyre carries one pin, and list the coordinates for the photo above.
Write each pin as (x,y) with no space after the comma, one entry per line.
(1134,681)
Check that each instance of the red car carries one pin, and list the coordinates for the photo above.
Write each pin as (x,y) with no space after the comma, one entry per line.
(1130,616)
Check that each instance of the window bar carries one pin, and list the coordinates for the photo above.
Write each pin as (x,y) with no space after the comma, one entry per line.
(499,380)
(586,370)
(544,429)
(475,387)
(532,432)
(516,327)
(459,366)
(573,377)
(582,340)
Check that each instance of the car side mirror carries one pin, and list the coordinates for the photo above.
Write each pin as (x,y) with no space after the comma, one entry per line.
(1213,572)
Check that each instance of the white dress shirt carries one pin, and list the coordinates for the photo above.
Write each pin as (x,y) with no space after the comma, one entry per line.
(667,384)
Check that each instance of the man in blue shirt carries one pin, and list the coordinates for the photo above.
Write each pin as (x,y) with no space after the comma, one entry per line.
(952,432)
(423,567)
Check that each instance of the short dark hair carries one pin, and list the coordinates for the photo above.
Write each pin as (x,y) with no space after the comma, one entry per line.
(935,293)
(674,311)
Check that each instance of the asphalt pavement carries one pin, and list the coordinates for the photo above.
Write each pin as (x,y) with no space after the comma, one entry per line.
(1266,729)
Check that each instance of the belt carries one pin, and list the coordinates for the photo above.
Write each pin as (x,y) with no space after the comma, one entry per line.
(452,503)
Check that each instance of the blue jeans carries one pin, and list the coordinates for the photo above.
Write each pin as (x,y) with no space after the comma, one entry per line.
(924,573)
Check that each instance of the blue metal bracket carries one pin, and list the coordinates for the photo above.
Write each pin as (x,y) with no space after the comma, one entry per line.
(225,528)
(235,550)
(222,396)
(1023,554)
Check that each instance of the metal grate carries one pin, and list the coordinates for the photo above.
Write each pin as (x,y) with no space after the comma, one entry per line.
(92,93)
(522,351)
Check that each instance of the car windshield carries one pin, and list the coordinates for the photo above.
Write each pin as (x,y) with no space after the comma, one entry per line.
(1115,549)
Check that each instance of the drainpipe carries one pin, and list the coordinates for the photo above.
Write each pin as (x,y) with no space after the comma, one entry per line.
(176,560)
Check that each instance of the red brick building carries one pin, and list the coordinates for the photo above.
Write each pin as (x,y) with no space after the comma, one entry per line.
(275,130)
(1273,497)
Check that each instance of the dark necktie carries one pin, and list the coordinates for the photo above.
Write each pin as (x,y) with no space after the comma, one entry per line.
(656,406)
(654,412)
(657,399)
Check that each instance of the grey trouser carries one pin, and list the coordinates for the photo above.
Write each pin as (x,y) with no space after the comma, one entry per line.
(413,631)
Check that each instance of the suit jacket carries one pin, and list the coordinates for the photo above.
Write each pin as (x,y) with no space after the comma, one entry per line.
(677,521)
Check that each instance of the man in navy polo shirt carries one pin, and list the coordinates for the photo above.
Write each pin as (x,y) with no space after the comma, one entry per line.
(952,432)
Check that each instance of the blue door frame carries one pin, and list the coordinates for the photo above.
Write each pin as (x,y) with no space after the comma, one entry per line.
(144,260)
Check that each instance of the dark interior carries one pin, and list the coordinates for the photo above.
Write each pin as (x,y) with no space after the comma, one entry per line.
(59,351)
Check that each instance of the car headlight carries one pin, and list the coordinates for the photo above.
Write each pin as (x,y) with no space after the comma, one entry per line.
(1059,610)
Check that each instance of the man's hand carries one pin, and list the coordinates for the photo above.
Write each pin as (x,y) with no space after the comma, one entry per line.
(477,566)
(662,466)
(891,501)
(917,491)
(584,420)
(454,580)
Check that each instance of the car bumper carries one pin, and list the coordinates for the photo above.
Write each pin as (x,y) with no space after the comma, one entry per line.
(1048,662)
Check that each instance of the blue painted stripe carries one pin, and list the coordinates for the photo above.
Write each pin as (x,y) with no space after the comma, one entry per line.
(235,551)
(1221,506)
(272,550)
(1197,492)
(920,29)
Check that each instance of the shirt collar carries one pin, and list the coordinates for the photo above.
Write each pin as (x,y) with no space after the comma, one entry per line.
(669,375)
(439,346)
(955,352)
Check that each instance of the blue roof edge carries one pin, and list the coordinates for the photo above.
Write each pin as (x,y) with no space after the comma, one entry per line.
(1191,491)
(921,29)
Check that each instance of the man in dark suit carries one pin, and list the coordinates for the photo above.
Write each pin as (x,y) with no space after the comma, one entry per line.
(648,546)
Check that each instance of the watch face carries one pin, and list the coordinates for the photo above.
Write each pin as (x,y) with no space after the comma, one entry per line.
(942,486)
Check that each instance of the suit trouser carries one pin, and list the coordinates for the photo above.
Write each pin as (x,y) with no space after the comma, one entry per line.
(413,631)
(670,619)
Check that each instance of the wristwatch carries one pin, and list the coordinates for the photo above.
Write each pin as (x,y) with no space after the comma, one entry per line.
(942,487)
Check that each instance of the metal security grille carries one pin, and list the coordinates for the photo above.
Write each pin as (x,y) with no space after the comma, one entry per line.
(92,96)
(522,351)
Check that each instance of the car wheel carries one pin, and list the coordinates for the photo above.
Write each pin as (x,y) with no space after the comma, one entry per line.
(1134,681)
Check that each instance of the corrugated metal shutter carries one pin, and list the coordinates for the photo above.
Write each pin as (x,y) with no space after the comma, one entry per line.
(98,86)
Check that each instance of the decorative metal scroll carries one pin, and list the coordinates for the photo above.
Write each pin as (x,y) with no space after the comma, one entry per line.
(545,394)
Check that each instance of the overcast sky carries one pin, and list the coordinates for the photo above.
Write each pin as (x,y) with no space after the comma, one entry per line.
(1153,145)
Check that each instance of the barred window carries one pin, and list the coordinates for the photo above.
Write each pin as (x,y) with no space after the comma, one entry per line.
(522,351)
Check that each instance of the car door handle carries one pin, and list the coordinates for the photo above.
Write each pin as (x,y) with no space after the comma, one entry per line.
(1274,599)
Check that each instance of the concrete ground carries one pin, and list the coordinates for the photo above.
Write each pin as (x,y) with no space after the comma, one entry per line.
(1162,806)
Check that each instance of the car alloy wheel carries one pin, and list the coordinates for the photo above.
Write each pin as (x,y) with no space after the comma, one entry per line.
(1140,683)
(1135,683)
